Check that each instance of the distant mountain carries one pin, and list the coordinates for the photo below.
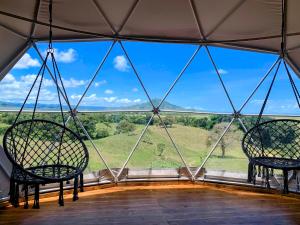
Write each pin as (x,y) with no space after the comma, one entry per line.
(9,105)
(147,105)
(141,106)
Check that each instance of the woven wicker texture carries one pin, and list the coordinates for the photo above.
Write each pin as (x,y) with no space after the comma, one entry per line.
(45,149)
(274,144)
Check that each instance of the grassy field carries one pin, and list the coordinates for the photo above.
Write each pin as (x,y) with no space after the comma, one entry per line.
(191,142)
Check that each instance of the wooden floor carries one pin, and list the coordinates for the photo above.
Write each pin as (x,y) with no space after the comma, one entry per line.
(165,204)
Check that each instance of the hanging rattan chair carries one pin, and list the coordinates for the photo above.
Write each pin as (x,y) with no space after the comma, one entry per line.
(273,144)
(43,151)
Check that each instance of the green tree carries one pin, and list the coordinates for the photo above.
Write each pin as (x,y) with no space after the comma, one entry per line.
(168,121)
(160,147)
(102,133)
(124,127)
(217,131)
(8,118)
(201,122)
(3,128)
(89,122)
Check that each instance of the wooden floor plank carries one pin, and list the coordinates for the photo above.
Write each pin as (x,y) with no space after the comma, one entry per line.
(161,205)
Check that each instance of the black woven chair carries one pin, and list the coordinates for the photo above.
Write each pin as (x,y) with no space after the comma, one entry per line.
(274,144)
(43,152)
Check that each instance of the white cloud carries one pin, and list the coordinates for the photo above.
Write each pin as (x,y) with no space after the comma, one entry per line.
(29,79)
(257,101)
(127,101)
(65,56)
(13,89)
(68,83)
(110,99)
(26,62)
(16,89)
(108,92)
(72,83)
(100,83)
(48,83)
(137,100)
(222,71)
(275,106)
(113,101)
(46,96)
(94,99)
(120,63)
(62,56)
(123,101)
(76,96)
(135,89)
(9,78)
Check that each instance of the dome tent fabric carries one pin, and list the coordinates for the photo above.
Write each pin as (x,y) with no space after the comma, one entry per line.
(243,24)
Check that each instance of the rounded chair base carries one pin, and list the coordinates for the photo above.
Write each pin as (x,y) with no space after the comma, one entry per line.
(277,163)
(20,177)
(53,173)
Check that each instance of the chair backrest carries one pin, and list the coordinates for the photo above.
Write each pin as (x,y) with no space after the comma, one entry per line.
(39,145)
(274,139)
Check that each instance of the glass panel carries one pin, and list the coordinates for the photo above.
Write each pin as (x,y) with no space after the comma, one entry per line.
(241,70)
(228,155)
(158,64)
(155,155)
(116,87)
(281,100)
(77,62)
(190,133)
(114,134)
(197,89)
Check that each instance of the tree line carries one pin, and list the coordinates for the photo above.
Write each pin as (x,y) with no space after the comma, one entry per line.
(126,122)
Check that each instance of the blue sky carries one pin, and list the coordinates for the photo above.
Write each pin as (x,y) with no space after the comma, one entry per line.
(158,66)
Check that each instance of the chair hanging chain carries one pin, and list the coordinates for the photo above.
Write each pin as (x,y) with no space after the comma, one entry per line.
(283,27)
(294,87)
(50,25)
(268,94)
(61,91)
(55,69)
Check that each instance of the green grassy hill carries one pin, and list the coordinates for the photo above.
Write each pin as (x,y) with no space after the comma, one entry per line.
(157,151)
